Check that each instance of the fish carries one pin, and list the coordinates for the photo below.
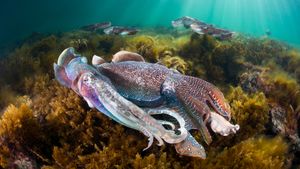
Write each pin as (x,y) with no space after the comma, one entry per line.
(96,26)
(120,30)
(268,32)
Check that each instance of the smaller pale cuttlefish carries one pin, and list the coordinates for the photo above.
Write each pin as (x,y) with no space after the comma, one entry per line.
(133,92)
(73,71)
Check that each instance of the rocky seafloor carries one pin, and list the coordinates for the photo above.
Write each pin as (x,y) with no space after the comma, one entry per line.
(45,125)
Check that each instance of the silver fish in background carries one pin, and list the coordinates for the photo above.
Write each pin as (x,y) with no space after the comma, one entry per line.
(96,26)
(120,30)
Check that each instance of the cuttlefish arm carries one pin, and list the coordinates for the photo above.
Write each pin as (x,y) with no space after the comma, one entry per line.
(103,96)
(190,147)
(61,76)
(196,112)
(220,125)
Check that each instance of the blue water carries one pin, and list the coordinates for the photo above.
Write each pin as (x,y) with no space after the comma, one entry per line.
(19,18)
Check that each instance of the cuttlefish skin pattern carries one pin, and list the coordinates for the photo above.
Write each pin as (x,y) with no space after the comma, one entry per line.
(131,92)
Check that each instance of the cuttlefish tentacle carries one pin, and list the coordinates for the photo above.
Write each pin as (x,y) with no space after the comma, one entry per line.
(167,123)
(179,119)
(61,76)
(190,147)
(128,113)
(198,113)
(150,136)
(220,125)
(198,110)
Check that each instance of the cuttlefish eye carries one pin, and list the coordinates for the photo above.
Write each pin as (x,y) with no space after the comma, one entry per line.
(87,78)
(85,82)
(219,104)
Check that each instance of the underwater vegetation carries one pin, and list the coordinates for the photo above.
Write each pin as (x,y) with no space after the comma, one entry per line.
(252,153)
(45,125)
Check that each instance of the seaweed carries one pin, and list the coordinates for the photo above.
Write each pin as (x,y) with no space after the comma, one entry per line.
(21,135)
(45,125)
(219,60)
(177,63)
(282,88)
(250,111)
(143,45)
(252,153)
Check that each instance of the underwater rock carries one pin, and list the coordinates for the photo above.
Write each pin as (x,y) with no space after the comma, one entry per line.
(23,162)
(283,124)
(251,81)
(278,119)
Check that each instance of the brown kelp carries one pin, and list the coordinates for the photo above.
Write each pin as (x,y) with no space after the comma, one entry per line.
(49,126)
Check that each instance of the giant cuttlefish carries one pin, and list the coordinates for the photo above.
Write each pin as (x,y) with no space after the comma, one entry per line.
(202,28)
(132,91)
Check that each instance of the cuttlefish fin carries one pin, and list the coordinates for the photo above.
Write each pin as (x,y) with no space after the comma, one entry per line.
(97,60)
(123,55)
(61,75)
(190,147)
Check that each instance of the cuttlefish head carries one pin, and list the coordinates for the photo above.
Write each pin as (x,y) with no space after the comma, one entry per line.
(64,70)
(218,103)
